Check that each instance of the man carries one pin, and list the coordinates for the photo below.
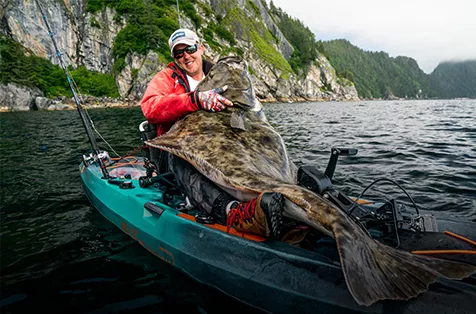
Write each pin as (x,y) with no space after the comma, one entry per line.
(169,96)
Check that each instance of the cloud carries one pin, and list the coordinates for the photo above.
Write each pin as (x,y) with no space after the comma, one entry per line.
(428,31)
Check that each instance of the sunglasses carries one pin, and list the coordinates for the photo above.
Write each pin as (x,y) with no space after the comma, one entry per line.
(177,54)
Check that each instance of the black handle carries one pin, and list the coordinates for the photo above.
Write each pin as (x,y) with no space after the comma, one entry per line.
(153,208)
(335,152)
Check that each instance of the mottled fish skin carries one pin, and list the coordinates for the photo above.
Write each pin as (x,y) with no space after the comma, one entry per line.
(235,71)
(242,156)
(255,160)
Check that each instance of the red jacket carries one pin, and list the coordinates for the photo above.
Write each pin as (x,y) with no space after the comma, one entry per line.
(168,97)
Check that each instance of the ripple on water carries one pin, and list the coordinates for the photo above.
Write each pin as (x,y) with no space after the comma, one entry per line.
(56,247)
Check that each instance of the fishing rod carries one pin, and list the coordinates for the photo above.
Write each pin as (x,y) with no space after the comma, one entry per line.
(178,14)
(87,126)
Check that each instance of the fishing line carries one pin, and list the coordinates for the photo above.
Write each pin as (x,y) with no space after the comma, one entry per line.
(351,209)
(70,78)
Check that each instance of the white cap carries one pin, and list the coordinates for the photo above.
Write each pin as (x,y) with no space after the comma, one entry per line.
(182,36)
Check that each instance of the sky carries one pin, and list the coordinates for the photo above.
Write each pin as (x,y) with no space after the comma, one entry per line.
(429,31)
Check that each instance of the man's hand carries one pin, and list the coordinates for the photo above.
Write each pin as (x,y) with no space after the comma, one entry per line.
(212,100)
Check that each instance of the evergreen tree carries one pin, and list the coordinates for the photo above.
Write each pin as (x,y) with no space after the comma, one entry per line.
(454,79)
(376,74)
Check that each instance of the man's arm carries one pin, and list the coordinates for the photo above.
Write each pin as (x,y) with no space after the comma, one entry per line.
(163,102)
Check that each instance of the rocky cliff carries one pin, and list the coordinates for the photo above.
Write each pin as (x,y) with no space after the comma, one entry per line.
(87,39)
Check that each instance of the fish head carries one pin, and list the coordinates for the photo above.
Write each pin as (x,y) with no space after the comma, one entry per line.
(232,72)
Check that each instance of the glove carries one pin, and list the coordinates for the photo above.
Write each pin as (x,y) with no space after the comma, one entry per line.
(212,100)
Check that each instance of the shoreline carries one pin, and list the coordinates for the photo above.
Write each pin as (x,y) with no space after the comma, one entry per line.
(69,104)
(119,103)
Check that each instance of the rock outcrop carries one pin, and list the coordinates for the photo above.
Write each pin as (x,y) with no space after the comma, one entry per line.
(18,98)
(86,39)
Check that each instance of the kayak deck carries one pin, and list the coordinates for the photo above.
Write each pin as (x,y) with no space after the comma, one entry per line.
(270,275)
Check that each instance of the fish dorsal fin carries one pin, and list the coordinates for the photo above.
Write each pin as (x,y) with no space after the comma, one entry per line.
(237,120)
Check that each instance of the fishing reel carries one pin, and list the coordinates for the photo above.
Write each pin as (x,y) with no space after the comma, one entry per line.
(104,156)
(92,158)
(88,160)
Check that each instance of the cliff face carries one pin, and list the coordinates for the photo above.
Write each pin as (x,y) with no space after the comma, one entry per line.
(87,39)
(83,38)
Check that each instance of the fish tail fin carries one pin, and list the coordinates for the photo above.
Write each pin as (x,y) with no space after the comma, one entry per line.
(374,271)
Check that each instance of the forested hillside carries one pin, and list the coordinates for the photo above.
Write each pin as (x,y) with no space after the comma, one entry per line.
(454,79)
(113,48)
(299,36)
(376,74)
(32,71)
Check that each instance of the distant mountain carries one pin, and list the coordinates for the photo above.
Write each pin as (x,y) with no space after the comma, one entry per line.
(376,74)
(454,79)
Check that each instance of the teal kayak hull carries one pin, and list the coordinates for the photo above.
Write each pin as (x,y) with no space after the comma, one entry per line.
(269,275)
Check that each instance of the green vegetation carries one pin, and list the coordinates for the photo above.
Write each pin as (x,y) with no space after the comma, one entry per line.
(208,35)
(94,6)
(150,23)
(322,49)
(223,33)
(376,74)
(260,39)
(207,10)
(254,7)
(94,83)
(95,23)
(298,35)
(189,10)
(31,71)
(218,29)
(346,74)
(252,71)
(454,79)
(232,50)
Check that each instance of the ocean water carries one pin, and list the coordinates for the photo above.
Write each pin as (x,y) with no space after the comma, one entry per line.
(59,255)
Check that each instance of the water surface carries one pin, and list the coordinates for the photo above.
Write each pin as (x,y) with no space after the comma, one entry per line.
(59,255)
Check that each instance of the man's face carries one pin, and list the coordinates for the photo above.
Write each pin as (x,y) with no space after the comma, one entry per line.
(191,63)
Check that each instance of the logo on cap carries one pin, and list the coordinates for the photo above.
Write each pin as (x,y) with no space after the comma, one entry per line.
(178,35)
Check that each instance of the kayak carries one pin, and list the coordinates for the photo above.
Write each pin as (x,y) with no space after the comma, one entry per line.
(271,275)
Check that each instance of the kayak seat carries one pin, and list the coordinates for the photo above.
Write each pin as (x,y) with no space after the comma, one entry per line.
(156,156)
(320,182)
(313,179)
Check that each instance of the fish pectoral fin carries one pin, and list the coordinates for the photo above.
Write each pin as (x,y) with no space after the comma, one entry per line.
(374,271)
(237,121)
